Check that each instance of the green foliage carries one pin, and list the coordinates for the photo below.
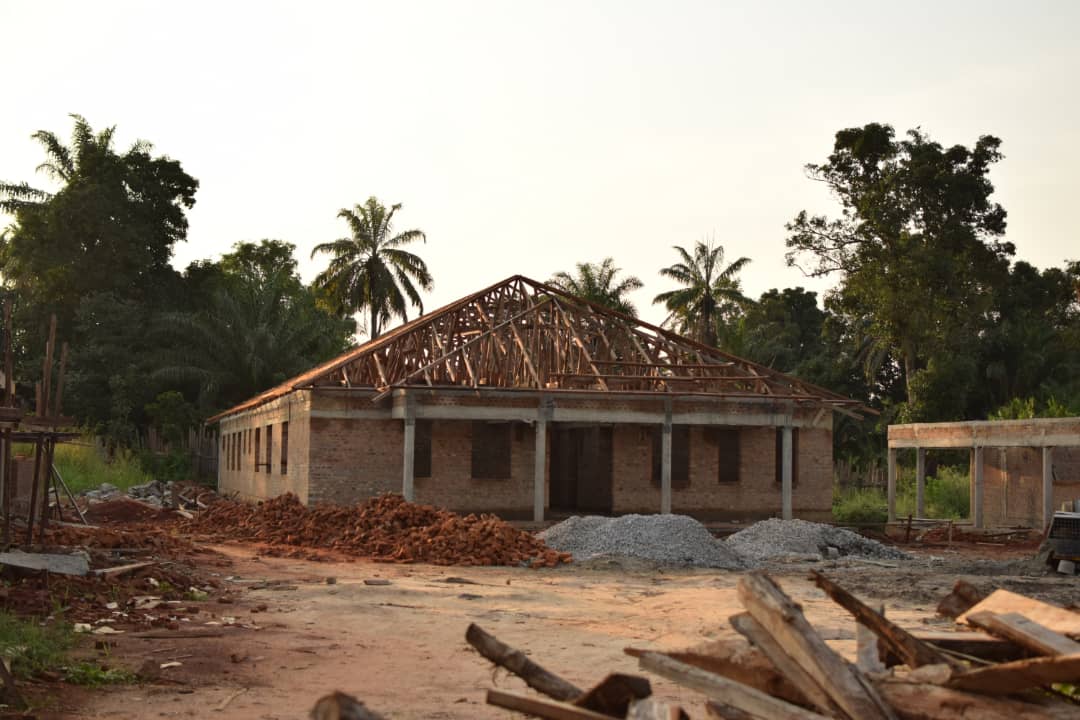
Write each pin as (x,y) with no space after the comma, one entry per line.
(172,466)
(370,270)
(32,647)
(92,674)
(947,497)
(596,283)
(172,416)
(83,467)
(917,247)
(710,298)
(1027,408)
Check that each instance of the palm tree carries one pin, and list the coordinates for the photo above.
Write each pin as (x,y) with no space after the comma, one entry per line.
(596,283)
(369,270)
(708,293)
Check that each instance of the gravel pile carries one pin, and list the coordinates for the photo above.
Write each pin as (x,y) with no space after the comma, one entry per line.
(775,539)
(667,539)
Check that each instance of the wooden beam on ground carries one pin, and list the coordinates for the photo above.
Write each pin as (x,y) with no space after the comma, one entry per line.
(551,709)
(973,644)
(516,662)
(1052,617)
(910,649)
(1024,632)
(811,691)
(752,702)
(1021,675)
(783,619)
(922,701)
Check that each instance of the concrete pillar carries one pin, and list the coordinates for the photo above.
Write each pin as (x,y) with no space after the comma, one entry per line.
(539,470)
(1047,486)
(920,482)
(665,467)
(977,488)
(407,487)
(891,488)
(786,504)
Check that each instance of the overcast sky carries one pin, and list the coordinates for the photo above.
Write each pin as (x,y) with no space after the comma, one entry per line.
(524,137)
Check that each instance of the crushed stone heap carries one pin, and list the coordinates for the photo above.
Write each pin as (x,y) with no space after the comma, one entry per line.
(385,528)
(775,539)
(667,539)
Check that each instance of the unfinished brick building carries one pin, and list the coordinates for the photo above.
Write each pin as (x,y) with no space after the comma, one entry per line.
(522,400)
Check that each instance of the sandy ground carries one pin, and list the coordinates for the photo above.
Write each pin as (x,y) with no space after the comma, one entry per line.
(400,647)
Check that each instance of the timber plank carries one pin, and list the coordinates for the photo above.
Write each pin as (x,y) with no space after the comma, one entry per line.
(783,619)
(754,703)
(921,701)
(552,709)
(1024,632)
(1052,617)
(1014,677)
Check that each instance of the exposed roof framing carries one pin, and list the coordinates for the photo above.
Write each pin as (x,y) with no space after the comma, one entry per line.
(525,334)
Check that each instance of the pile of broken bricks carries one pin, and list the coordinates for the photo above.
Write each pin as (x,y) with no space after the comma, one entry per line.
(1022,662)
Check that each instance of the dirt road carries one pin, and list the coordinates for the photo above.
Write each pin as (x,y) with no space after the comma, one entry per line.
(400,646)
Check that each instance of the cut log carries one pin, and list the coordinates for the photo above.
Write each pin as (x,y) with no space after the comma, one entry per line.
(614,694)
(811,692)
(736,660)
(783,619)
(963,597)
(1049,616)
(552,709)
(1014,677)
(973,644)
(515,661)
(122,569)
(60,564)
(910,649)
(1024,632)
(933,702)
(753,703)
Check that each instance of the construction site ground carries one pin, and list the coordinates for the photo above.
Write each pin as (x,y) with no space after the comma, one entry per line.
(393,634)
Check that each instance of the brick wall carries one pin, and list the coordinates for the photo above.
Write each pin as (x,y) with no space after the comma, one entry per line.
(254,483)
(757,494)
(1012,484)
(353,459)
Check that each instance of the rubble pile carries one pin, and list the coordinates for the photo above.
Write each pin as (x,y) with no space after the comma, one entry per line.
(776,540)
(386,528)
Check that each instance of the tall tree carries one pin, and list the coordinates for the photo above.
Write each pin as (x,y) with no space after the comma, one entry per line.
(259,326)
(917,247)
(111,227)
(710,291)
(370,271)
(596,282)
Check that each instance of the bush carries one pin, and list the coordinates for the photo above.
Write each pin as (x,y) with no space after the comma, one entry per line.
(167,467)
(31,647)
(83,466)
(859,506)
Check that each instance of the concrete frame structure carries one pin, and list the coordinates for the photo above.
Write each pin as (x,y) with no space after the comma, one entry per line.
(524,353)
(1056,439)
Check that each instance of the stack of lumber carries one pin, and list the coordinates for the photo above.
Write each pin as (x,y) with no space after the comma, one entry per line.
(1021,663)
(386,528)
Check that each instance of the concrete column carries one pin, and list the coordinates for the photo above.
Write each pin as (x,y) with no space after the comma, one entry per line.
(920,482)
(539,470)
(407,487)
(786,503)
(891,488)
(1047,486)
(977,488)
(665,467)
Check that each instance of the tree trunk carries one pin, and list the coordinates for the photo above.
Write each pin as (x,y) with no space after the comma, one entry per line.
(373,329)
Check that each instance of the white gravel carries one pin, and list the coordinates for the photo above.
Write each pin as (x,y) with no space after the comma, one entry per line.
(680,540)
(776,539)
(667,539)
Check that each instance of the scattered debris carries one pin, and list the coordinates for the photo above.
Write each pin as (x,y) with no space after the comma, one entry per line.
(376,581)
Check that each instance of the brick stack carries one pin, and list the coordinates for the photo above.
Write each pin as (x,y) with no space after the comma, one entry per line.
(385,528)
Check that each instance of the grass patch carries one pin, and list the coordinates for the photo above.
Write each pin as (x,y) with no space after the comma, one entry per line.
(32,648)
(83,467)
(91,674)
(947,497)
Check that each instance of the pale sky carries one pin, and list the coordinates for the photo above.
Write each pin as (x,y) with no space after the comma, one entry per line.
(524,137)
